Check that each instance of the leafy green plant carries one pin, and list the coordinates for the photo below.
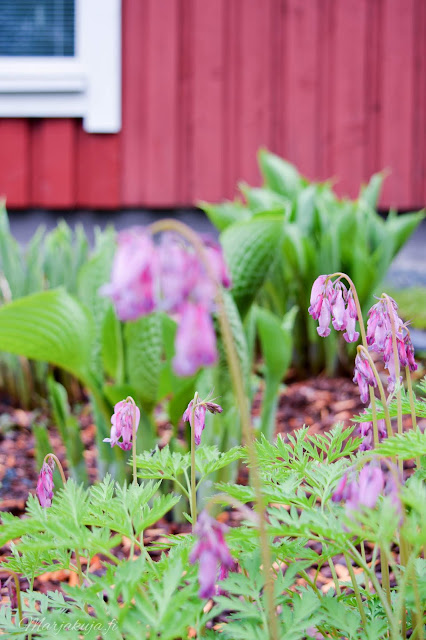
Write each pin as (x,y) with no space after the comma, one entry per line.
(311,506)
(312,231)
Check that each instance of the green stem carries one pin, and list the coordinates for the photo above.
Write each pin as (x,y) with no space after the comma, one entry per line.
(193,478)
(379,591)
(357,305)
(412,406)
(374,417)
(135,472)
(366,580)
(356,590)
(18,593)
(238,387)
(335,578)
(64,482)
(397,369)
(381,389)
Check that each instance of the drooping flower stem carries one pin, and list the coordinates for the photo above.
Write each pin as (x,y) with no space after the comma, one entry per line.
(357,304)
(356,590)
(64,481)
(365,344)
(135,473)
(18,593)
(366,353)
(238,385)
(58,464)
(397,368)
(193,479)
(412,407)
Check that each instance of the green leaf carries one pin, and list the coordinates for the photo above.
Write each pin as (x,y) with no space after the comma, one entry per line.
(250,248)
(276,344)
(93,274)
(11,263)
(405,446)
(401,227)
(143,349)
(50,326)
(279,175)
(112,346)
(261,199)
(370,192)
(225,214)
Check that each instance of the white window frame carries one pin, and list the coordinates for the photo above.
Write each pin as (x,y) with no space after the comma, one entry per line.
(87,85)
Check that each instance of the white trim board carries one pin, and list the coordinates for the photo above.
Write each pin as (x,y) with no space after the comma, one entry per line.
(87,85)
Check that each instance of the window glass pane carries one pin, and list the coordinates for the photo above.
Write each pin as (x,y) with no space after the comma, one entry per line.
(37,27)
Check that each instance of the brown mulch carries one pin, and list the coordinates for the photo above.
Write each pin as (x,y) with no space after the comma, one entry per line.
(318,403)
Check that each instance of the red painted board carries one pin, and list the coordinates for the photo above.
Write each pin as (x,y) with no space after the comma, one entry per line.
(326,88)
(278,77)
(207,100)
(302,95)
(372,88)
(233,71)
(350,127)
(254,85)
(14,162)
(419,122)
(134,158)
(184,105)
(53,163)
(98,170)
(161,177)
(397,108)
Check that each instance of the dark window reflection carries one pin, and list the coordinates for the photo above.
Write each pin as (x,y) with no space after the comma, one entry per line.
(37,27)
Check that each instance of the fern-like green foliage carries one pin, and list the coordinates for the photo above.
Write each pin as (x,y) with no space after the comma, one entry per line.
(419,402)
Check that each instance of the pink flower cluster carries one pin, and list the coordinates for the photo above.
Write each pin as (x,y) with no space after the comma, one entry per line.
(364,376)
(169,277)
(379,337)
(45,485)
(364,491)
(365,430)
(212,552)
(201,408)
(333,302)
(122,424)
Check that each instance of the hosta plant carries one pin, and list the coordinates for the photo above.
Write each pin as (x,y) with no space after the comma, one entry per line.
(289,230)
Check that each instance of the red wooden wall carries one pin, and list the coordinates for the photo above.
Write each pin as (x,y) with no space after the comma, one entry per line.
(336,86)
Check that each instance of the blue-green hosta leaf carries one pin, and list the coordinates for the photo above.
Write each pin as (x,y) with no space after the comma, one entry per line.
(401,227)
(370,192)
(279,175)
(224,214)
(50,326)
(250,249)
(261,199)
(144,348)
(93,274)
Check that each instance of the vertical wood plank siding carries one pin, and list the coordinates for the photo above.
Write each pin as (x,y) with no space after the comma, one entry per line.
(336,86)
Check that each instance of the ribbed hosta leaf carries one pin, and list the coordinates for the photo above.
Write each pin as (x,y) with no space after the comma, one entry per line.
(250,249)
(50,326)
(144,347)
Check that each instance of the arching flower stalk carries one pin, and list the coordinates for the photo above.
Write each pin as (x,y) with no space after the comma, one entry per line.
(386,335)
(45,494)
(195,414)
(192,350)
